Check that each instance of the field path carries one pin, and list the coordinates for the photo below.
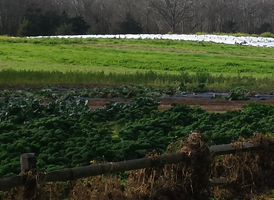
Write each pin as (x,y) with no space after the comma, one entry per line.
(204,101)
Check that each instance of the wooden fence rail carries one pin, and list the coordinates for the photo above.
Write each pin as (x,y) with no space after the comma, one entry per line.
(28,162)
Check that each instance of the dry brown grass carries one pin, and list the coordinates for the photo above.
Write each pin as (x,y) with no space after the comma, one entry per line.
(186,180)
(247,173)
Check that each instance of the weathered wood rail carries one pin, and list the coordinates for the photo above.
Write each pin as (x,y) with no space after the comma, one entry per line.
(28,162)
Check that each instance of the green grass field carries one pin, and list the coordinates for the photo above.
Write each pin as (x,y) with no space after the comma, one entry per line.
(81,60)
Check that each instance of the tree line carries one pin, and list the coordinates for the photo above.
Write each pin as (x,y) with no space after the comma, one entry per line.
(65,17)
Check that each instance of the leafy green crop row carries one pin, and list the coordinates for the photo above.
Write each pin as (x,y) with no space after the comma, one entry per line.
(99,92)
(64,132)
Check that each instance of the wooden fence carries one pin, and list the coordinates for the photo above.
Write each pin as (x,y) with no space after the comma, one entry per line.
(28,162)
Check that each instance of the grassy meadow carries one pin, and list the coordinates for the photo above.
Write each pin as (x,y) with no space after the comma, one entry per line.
(54,61)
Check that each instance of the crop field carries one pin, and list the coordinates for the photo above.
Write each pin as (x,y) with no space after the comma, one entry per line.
(54,61)
(64,132)
(48,88)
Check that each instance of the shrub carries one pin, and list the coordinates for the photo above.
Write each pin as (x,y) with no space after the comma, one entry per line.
(267,34)
(238,94)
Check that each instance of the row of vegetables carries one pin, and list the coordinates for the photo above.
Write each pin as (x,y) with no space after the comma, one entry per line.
(63,132)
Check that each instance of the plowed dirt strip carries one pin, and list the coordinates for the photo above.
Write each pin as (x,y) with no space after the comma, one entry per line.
(214,105)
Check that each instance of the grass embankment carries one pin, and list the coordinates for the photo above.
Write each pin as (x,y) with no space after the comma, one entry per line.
(123,61)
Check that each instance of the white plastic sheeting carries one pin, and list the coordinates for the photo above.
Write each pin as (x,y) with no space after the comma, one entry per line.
(226,39)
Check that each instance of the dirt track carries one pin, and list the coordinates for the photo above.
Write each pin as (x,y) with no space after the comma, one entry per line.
(215,105)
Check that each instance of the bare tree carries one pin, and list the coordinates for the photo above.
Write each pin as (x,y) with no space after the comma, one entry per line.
(248,13)
(155,16)
(173,12)
(10,16)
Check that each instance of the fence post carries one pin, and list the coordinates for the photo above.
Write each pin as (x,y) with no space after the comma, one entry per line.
(28,170)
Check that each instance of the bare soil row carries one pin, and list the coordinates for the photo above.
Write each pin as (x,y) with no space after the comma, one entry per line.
(214,105)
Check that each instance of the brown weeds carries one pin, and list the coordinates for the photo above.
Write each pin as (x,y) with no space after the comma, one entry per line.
(246,173)
(185,180)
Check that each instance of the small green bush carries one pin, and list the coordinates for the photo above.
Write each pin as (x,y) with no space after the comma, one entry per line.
(238,94)
(267,34)
(216,96)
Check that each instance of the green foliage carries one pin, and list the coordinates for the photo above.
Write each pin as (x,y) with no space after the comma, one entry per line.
(23,29)
(64,29)
(198,88)
(36,62)
(217,96)
(201,87)
(238,94)
(130,25)
(238,34)
(43,78)
(79,26)
(203,77)
(63,132)
(166,56)
(177,83)
(265,28)
(267,34)
(37,22)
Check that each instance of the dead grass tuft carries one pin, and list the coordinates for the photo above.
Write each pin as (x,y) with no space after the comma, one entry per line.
(185,180)
(246,173)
